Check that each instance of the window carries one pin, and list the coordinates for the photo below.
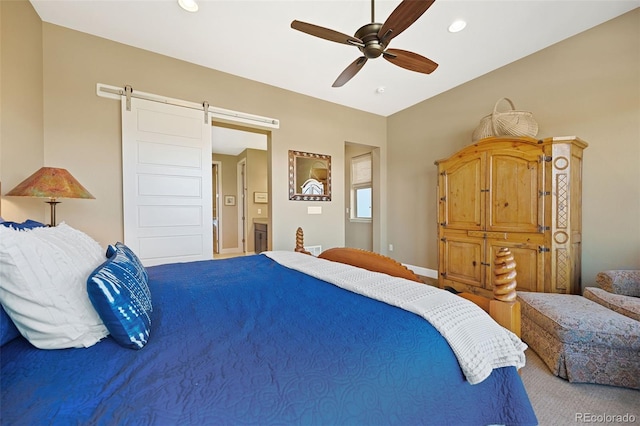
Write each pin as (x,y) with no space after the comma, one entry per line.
(361,187)
(362,202)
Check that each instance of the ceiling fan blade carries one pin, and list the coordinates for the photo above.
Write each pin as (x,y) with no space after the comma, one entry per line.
(326,33)
(402,17)
(350,71)
(409,60)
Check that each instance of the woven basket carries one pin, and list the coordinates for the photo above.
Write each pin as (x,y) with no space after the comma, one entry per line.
(506,123)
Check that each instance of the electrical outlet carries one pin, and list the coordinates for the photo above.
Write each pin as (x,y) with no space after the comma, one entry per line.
(390,247)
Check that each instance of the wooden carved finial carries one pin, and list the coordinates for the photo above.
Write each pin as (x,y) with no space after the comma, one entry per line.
(300,242)
(504,284)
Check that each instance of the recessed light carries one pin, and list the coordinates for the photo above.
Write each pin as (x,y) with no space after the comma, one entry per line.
(457,26)
(380,90)
(188,5)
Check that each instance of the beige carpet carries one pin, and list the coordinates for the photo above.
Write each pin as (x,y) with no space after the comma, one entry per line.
(558,402)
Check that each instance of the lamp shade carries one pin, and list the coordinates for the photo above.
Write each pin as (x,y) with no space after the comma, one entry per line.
(50,182)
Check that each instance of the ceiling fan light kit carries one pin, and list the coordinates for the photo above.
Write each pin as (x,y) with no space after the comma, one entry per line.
(372,40)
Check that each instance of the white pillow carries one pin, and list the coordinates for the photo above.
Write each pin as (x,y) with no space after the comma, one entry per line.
(43,275)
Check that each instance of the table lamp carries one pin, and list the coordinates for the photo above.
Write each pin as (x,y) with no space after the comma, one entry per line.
(51,183)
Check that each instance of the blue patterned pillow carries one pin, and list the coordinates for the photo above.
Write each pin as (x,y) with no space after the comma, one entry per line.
(119,291)
(27,224)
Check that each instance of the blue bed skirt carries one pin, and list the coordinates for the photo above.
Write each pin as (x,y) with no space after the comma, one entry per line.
(248,341)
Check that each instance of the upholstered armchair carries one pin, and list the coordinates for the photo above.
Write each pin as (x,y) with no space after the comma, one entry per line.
(618,281)
(619,291)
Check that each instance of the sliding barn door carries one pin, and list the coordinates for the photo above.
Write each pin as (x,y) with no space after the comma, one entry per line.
(167,195)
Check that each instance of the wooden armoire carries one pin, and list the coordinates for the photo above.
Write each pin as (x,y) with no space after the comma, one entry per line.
(520,193)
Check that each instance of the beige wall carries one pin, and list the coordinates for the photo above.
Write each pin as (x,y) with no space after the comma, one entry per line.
(589,86)
(82,130)
(21,113)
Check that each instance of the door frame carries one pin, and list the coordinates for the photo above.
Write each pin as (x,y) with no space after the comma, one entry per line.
(242,204)
(217,205)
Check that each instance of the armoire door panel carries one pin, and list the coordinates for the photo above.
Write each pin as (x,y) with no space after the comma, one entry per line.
(463,260)
(529,264)
(461,194)
(512,203)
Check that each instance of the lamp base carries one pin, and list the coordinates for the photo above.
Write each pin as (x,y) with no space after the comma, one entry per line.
(53,203)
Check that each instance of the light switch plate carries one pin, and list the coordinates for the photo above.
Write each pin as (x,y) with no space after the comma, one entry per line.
(314,210)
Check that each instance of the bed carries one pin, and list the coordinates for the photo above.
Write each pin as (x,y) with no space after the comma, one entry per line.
(274,338)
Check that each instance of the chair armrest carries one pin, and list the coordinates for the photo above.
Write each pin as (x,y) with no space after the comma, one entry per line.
(619,281)
(625,305)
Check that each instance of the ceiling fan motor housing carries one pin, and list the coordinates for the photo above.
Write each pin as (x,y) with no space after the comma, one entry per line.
(373,48)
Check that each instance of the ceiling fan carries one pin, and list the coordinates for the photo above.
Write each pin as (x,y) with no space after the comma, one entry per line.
(372,39)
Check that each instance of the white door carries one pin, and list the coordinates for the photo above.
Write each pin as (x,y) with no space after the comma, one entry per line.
(166,174)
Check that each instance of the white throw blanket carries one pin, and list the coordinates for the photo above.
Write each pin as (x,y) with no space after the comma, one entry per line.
(479,343)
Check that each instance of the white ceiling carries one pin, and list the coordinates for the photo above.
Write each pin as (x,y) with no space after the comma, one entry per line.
(234,141)
(253,39)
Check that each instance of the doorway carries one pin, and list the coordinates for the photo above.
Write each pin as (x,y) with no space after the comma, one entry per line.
(360,188)
(241,155)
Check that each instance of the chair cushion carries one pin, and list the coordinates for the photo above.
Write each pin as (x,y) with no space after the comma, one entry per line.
(625,305)
(625,282)
(575,319)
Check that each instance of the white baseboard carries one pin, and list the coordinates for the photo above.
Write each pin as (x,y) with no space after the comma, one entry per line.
(430,273)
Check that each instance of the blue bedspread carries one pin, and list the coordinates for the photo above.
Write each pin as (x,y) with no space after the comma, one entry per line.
(247,341)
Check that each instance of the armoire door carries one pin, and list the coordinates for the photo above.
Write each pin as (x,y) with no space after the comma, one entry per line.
(515,184)
(462,260)
(460,193)
(529,263)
